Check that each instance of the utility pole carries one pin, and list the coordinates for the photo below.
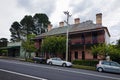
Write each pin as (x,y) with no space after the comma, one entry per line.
(67,22)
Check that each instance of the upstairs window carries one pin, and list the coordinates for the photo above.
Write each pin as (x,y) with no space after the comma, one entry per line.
(76,55)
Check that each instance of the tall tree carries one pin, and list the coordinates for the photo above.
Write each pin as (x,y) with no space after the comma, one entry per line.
(15,31)
(27,25)
(41,22)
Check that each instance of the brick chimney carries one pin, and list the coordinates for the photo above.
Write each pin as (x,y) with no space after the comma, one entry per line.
(49,27)
(61,24)
(99,18)
(77,20)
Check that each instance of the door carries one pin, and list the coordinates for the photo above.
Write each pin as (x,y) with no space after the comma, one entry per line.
(106,66)
(114,67)
(83,55)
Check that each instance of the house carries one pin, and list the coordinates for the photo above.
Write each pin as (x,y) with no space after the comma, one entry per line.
(82,35)
(14,49)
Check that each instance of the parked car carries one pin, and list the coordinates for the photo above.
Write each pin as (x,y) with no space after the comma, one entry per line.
(58,61)
(39,60)
(108,66)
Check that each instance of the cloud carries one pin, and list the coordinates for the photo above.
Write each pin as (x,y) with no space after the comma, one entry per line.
(38,6)
(15,10)
(9,13)
(115,32)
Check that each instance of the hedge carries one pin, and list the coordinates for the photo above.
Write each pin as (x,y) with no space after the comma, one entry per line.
(85,62)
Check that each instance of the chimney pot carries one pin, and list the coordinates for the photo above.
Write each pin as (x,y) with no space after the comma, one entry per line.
(77,20)
(49,27)
(99,18)
(61,24)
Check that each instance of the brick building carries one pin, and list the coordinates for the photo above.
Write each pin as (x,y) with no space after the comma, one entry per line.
(81,37)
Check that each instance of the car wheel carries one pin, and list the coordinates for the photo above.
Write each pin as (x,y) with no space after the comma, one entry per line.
(50,63)
(64,64)
(100,69)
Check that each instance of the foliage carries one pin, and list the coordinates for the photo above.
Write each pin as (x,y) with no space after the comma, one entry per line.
(103,50)
(100,49)
(15,31)
(28,25)
(41,22)
(85,62)
(3,42)
(3,52)
(84,67)
(28,45)
(54,44)
(114,53)
(118,43)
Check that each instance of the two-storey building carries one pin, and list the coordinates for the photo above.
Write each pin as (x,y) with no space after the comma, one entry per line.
(81,37)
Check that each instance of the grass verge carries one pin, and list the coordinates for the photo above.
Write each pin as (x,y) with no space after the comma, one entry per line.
(84,67)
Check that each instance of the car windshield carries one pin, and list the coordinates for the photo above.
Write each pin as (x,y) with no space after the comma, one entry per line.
(59,59)
(115,64)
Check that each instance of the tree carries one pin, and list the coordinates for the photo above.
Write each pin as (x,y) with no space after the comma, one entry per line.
(15,31)
(118,43)
(41,22)
(27,25)
(100,49)
(114,53)
(28,46)
(3,42)
(104,50)
(54,45)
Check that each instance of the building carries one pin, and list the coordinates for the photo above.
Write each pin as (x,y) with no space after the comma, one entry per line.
(81,37)
(15,49)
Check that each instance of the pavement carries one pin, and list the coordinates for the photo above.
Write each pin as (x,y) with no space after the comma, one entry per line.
(12,58)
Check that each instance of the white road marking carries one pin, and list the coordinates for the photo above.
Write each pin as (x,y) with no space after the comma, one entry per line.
(25,75)
(102,76)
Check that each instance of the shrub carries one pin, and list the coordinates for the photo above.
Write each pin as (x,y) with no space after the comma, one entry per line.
(85,62)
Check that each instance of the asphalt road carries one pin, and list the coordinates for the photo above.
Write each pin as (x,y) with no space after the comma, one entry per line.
(16,70)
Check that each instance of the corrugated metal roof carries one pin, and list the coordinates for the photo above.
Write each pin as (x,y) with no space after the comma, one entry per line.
(72,28)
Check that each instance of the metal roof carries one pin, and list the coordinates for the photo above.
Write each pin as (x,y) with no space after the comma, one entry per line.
(88,25)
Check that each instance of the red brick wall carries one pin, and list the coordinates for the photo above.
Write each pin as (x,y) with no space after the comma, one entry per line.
(88,55)
(101,37)
(88,38)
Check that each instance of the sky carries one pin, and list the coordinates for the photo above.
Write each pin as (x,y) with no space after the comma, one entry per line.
(15,10)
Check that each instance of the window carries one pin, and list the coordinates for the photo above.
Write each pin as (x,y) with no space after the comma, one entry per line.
(105,63)
(83,55)
(94,37)
(83,38)
(76,55)
(114,64)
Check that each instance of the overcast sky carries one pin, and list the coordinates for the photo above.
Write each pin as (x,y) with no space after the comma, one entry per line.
(15,10)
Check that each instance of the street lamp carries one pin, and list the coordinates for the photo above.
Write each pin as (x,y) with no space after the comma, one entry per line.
(67,22)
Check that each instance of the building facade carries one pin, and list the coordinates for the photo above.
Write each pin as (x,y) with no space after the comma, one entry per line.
(81,37)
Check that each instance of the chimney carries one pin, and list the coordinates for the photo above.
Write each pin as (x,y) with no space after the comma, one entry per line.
(99,18)
(61,24)
(77,20)
(49,27)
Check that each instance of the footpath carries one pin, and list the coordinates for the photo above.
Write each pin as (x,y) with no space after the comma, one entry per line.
(11,58)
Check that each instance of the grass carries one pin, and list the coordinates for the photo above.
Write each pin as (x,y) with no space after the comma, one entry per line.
(84,67)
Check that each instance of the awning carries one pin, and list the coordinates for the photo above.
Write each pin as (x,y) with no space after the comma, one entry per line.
(8,47)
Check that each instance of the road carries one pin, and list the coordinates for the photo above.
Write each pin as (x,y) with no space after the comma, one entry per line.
(16,70)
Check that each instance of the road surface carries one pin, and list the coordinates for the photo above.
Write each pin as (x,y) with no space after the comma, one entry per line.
(16,70)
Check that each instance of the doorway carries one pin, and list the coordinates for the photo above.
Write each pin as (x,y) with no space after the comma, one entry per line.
(83,55)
